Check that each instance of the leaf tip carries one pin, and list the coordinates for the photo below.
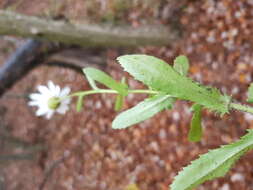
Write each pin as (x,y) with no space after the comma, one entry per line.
(117,125)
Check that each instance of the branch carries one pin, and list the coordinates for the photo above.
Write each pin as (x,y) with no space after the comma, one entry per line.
(34,52)
(22,61)
(84,34)
(76,59)
(50,169)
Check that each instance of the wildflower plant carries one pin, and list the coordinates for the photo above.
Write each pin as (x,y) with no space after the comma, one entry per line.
(50,99)
(166,84)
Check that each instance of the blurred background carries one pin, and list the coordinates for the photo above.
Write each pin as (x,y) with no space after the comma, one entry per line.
(80,150)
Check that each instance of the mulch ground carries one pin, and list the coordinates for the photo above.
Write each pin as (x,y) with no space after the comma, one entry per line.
(86,152)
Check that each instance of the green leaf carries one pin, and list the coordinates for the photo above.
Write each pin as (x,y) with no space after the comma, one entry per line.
(119,102)
(141,111)
(160,76)
(181,65)
(105,79)
(91,82)
(79,103)
(195,133)
(250,93)
(213,164)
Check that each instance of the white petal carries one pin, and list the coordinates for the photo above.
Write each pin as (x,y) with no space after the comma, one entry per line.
(41,111)
(44,106)
(66,101)
(49,114)
(43,90)
(65,91)
(51,86)
(36,96)
(62,109)
(57,91)
(54,89)
(41,100)
(34,103)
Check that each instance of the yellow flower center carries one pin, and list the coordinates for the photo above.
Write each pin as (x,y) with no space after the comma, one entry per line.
(54,103)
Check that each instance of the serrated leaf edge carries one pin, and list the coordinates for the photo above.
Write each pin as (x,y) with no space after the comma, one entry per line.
(118,116)
(247,146)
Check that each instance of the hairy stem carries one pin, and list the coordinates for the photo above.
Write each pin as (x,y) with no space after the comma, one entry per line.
(242,107)
(108,91)
(236,106)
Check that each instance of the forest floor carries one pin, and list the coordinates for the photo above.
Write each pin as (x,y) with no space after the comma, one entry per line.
(86,152)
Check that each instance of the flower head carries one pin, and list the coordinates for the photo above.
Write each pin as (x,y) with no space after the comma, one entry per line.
(50,99)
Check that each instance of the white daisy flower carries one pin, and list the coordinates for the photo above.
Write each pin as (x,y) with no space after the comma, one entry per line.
(50,99)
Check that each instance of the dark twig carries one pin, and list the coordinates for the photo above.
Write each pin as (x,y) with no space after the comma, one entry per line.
(34,52)
(50,169)
(23,60)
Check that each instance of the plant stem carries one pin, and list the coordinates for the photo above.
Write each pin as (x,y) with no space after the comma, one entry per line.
(235,106)
(241,107)
(108,91)
(89,92)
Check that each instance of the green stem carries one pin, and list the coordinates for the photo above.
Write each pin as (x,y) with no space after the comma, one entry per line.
(108,91)
(235,106)
(89,92)
(241,107)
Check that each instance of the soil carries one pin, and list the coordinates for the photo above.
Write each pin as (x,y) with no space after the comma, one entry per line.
(81,151)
